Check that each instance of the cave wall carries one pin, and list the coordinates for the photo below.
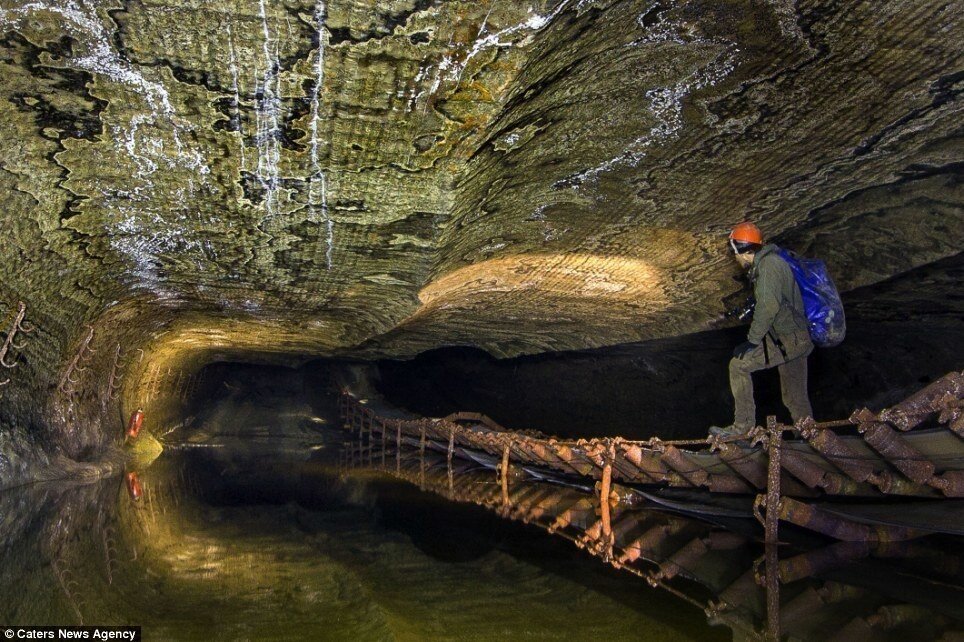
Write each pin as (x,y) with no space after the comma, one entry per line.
(637,134)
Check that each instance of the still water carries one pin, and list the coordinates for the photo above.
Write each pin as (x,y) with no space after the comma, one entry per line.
(259,525)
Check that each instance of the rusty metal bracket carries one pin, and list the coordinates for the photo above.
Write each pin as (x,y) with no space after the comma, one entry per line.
(67,381)
(16,327)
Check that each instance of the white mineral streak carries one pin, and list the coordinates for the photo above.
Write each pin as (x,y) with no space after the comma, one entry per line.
(535,22)
(82,23)
(235,86)
(267,112)
(145,165)
(319,181)
(422,71)
(451,69)
(141,234)
(665,103)
(786,13)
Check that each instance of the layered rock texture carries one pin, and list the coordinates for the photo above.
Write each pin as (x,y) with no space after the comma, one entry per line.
(187,181)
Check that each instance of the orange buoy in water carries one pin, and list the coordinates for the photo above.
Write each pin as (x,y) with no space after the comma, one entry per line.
(135,423)
(134,486)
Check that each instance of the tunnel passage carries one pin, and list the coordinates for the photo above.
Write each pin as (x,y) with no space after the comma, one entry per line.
(903,334)
(251,522)
(373,180)
(216,215)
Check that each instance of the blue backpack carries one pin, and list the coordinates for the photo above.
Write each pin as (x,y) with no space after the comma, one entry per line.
(821,301)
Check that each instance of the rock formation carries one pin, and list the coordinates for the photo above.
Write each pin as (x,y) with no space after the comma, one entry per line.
(186,182)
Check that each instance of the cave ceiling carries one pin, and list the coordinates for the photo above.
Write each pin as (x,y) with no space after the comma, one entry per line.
(380,178)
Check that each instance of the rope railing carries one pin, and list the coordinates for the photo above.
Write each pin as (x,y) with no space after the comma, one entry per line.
(886,457)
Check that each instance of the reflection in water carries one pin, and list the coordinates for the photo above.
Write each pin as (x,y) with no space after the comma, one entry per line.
(243,530)
(819,590)
(134,488)
(259,524)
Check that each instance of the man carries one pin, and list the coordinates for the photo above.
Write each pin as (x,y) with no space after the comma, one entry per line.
(778,336)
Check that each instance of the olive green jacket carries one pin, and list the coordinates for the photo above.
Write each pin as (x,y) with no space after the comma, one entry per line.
(779,307)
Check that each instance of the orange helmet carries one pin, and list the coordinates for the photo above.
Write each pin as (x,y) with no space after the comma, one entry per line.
(745,236)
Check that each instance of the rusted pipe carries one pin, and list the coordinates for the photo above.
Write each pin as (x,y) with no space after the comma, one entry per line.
(809,517)
(823,559)
(774,447)
(604,487)
(384,441)
(605,504)
(812,518)
(645,460)
(349,406)
(772,587)
(813,476)
(911,412)
(674,459)
(841,455)
(684,559)
(746,466)
(907,459)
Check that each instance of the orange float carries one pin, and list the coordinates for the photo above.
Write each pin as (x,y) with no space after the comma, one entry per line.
(134,488)
(134,424)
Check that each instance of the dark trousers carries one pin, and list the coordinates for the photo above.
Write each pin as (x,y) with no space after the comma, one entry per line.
(793,381)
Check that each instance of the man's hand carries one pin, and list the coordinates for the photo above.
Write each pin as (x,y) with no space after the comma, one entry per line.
(741,350)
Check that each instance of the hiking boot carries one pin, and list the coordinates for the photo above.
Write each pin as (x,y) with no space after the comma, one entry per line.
(728,431)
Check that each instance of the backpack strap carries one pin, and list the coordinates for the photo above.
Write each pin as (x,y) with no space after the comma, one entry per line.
(777,343)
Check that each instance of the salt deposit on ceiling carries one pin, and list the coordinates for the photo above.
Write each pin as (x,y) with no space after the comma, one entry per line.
(340,173)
